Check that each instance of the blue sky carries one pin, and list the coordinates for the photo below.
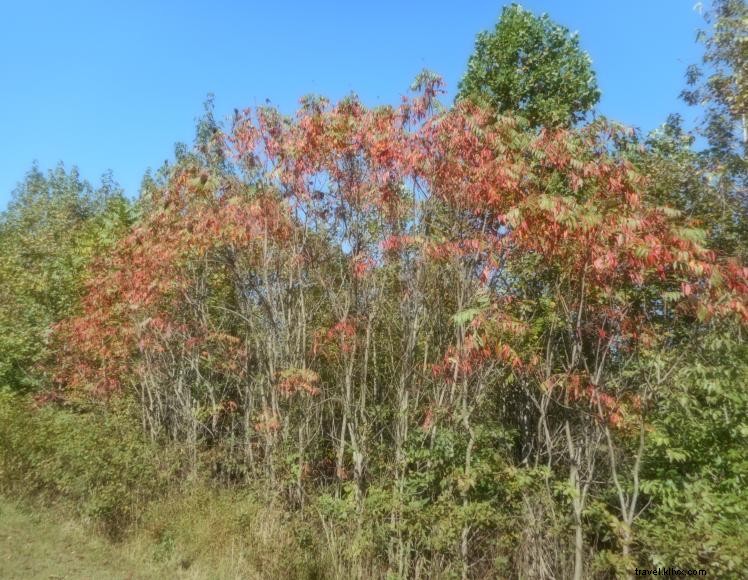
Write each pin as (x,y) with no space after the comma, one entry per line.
(113,85)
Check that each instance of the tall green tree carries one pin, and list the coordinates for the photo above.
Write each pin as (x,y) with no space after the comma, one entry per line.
(532,66)
(54,225)
(720,86)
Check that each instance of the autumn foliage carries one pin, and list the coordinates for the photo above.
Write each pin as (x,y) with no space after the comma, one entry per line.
(348,285)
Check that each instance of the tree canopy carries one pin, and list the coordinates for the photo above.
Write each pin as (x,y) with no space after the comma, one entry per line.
(531,66)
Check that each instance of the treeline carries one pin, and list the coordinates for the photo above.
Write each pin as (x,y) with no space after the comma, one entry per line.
(495,339)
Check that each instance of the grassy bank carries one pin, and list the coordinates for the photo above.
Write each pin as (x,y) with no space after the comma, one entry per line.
(84,495)
(37,542)
(192,537)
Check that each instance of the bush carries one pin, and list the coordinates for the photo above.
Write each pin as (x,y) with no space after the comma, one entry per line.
(97,460)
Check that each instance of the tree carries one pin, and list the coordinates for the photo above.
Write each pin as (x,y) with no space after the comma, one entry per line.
(53,226)
(531,66)
(433,308)
(720,85)
(695,470)
(681,177)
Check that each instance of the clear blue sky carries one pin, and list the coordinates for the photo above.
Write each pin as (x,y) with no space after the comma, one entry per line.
(114,84)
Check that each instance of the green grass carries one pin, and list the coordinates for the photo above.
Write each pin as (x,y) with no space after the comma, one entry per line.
(83,495)
(43,543)
(190,537)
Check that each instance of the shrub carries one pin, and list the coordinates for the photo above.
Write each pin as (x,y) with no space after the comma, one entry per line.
(97,460)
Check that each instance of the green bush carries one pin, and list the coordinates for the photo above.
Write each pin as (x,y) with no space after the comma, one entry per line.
(97,460)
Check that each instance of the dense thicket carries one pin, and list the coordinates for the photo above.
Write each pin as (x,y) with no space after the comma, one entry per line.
(456,342)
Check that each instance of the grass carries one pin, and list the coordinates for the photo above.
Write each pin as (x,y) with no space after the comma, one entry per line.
(43,543)
(82,495)
(190,537)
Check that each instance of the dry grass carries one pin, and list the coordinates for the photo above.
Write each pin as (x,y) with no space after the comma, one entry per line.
(195,536)
(44,543)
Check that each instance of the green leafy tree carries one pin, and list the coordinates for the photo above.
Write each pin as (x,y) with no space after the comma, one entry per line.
(532,66)
(53,226)
(697,461)
(681,177)
(720,86)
